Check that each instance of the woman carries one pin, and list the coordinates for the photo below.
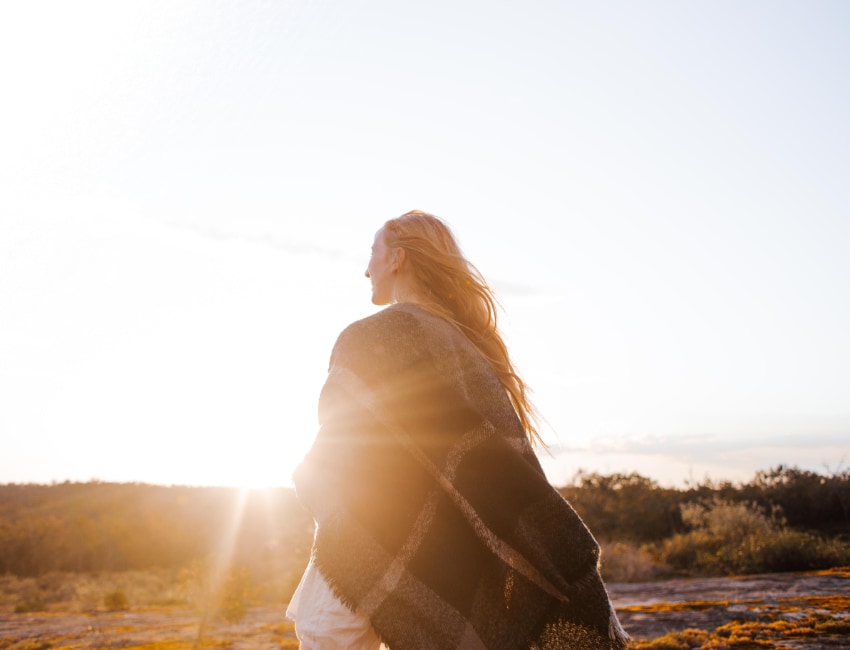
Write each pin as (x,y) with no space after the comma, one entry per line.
(436,527)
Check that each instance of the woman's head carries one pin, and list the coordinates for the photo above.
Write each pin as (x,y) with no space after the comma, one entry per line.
(422,233)
(415,258)
(383,269)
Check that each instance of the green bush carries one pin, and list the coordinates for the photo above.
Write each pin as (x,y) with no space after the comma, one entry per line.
(791,550)
(736,538)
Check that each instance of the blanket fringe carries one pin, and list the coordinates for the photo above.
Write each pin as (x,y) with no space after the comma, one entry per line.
(615,628)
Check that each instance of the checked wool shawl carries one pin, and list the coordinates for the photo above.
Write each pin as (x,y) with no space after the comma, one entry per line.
(435,519)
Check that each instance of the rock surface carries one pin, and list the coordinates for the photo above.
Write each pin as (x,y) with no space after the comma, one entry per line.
(649,610)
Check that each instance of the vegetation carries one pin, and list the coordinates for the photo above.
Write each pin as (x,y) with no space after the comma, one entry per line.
(116,601)
(115,527)
(634,508)
(785,519)
(215,550)
(253,546)
(102,548)
(738,538)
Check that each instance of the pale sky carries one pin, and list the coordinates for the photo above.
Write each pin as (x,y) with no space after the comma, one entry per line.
(188,192)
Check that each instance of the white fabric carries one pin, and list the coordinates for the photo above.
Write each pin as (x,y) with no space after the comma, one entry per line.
(323,622)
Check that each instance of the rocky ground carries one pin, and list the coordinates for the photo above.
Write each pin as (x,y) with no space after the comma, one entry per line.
(789,610)
(802,611)
(263,628)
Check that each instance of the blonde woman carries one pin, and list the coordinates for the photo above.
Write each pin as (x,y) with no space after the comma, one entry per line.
(436,527)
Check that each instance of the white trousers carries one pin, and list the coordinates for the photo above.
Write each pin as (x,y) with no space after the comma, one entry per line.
(323,622)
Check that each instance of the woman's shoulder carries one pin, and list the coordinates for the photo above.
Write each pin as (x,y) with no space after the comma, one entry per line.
(396,321)
(394,336)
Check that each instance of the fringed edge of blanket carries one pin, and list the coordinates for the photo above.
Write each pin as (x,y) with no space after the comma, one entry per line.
(615,629)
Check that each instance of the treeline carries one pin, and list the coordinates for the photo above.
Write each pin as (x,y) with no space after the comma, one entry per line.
(96,526)
(635,508)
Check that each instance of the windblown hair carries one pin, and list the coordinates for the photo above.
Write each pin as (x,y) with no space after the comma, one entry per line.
(456,291)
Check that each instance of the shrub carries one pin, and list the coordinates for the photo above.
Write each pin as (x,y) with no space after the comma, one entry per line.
(116,601)
(739,538)
(791,550)
(30,604)
(234,597)
(624,506)
(628,562)
(729,522)
(223,592)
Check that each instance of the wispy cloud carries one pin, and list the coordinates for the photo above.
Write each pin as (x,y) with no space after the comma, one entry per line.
(286,244)
(292,246)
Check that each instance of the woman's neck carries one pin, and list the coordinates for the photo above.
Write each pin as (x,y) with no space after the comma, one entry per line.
(408,291)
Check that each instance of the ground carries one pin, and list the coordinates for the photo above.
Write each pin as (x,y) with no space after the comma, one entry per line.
(789,610)
(782,610)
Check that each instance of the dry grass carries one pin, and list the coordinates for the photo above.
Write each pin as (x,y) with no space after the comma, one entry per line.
(690,606)
(80,592)
(831,604)
(135,610)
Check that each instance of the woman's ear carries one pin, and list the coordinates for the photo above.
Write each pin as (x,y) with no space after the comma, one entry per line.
(398,258)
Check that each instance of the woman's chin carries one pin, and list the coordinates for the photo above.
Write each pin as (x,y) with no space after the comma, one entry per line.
(379,300)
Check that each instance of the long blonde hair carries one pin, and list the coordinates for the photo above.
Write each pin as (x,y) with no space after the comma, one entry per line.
(456,291)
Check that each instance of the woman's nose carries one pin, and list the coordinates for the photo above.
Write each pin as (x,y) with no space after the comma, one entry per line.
(367,274)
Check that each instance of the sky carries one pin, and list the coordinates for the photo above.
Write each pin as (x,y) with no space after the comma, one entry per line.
(189,191)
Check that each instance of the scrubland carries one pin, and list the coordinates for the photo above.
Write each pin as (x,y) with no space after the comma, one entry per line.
(93,565)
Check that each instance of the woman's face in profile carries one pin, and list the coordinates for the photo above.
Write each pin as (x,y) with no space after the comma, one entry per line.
(381,271)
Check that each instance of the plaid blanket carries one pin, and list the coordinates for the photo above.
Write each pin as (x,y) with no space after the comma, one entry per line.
(435,519)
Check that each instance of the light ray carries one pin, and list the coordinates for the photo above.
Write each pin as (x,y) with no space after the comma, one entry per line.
(221,561)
